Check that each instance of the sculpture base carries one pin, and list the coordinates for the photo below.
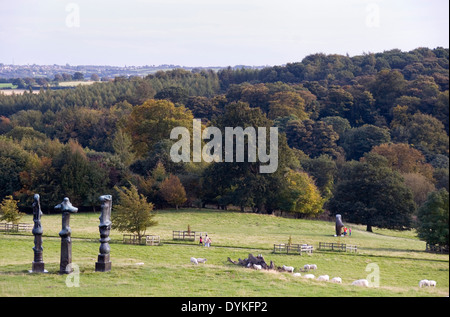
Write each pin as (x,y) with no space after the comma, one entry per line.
(65,266)
(38,267)
(103,264)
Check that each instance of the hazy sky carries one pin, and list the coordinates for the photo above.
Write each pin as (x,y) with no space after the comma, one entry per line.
(213,32)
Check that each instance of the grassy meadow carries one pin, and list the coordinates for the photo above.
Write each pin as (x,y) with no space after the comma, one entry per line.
(166,270)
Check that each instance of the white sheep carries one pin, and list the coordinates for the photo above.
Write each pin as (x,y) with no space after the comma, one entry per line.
(427,283)
(424,283)
(361,282)
(296,274)
(288,268)
(309,276)
(336,280)
(308,267)
(257,267)
(194,260)
(323,278)
(201,260)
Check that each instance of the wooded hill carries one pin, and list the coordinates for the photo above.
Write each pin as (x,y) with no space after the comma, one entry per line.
(365,136)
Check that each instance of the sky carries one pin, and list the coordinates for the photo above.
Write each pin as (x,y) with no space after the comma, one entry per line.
(213,32)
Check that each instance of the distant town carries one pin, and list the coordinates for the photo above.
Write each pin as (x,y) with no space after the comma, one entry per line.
(102,72)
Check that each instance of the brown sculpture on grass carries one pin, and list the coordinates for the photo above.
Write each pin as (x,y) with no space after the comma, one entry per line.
(38,263)
(66,242)
(339,225)
(104,264)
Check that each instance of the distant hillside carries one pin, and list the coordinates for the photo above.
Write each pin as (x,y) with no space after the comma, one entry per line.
(103,71)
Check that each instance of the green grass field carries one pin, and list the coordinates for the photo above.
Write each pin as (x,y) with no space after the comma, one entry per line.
(7,86)
(166,270)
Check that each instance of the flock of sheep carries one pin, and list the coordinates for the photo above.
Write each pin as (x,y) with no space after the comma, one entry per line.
(324,278)
(427,283)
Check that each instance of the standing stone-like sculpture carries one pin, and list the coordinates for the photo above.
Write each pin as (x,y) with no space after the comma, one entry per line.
(66,243)
(339,225)
(38,263)
(104,264)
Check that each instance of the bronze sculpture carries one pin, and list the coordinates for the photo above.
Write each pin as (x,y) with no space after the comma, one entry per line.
(66,243)
(38,263)
(104,264)
(339,225)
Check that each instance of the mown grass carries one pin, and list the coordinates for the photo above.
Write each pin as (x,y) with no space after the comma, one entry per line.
(165,270)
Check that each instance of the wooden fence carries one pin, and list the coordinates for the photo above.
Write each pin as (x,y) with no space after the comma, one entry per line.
(293,248)
(186,235)
(10,227)
(337,247)
(145,240)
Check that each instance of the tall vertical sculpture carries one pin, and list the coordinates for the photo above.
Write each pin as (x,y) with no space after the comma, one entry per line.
(66,243)
(339,225)
(38,263)
(104,264)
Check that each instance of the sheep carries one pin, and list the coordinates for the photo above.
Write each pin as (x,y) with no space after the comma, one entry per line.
(288,268)
(257,267)
(424,283)
(201,260)
(309,276)
(296,274)
(308,267)
(194,260)
(323,278)
(361,282)
(336,280)
(427,283)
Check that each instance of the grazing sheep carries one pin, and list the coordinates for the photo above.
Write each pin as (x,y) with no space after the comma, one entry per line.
(336,280)
(257,267)
(308,267)
(310,276)
(296,274)
(194,260)
(427,283)
(201,260)
(288,268)
(424,283)
(361,282)
(323,278)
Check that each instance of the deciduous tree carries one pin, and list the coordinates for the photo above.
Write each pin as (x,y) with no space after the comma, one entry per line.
(373,196)
(152,122)
(432,217)
(173,191)
(9,212)
(132,213)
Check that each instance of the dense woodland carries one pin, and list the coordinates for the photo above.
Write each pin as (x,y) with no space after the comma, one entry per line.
(365,136)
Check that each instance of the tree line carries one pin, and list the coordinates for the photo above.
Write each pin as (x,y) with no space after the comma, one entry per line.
(363,136)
